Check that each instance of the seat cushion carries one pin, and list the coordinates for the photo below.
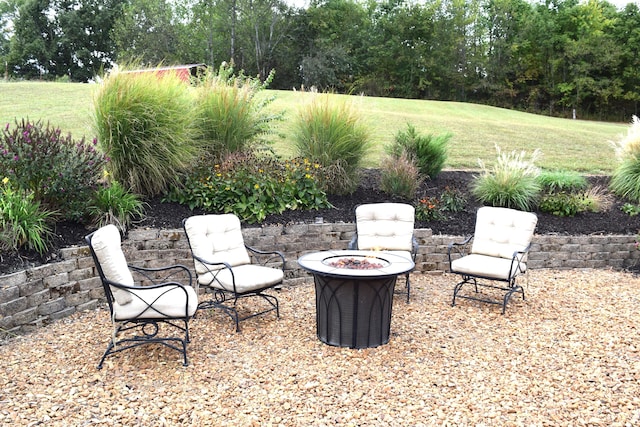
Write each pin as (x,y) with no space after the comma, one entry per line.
(487,266)
(248,278)
(169,301)
(385,226)
(106,246)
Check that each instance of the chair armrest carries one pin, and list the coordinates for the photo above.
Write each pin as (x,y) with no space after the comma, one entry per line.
(171,270)
(458,249)
(518,258)
(266,257)
(353,243)
(137,287)
(414,248)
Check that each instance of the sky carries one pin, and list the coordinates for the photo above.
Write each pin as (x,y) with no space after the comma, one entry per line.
(618,3)
(622,3)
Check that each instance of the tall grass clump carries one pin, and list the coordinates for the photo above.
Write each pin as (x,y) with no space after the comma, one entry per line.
(23,221)
(232,117)
(429,152)
(144,123)
(400,176)
(557,181)
(332,133)
(113,204)
(625,180)
(511,183)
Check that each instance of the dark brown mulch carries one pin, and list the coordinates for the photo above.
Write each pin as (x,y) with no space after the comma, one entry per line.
(170,215)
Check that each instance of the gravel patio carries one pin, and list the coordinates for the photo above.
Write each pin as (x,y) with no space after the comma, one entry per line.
(568,355)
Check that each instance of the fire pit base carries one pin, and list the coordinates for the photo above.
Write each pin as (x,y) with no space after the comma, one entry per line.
(353,304)
(352,312)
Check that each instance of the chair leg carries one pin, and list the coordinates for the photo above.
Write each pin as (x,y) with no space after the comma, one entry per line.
(510,290)
(457,289)
(146,337)
(514,289)
(408,288)
(231,310)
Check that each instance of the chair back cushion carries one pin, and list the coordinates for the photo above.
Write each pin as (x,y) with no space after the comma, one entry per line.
(216,238)
(385,226)
(500,232)
(105,243)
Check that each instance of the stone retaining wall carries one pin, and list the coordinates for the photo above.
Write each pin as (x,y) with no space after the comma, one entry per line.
(35,297)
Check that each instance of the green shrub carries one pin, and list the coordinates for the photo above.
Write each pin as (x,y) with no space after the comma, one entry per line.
(231,116)
(556,181)
(61,172)
(23,222)
(630,209)
(332,133)
(511,183)
(625,180)
(400,177)
(112,204)
(253,187)
(561,204)
(145,124)
(564,203)
(452,200)
(429,152)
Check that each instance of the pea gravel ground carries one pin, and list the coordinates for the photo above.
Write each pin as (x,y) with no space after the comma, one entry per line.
(567,356)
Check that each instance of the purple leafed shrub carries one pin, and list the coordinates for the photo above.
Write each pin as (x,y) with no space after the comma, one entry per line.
(61,172)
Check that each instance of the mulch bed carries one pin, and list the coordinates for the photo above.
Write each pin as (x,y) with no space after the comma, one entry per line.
(568,355)
(167,215)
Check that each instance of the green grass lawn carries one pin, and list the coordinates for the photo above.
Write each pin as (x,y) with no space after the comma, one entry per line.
(582,146)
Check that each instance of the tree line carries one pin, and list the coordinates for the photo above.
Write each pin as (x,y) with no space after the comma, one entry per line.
(554,57)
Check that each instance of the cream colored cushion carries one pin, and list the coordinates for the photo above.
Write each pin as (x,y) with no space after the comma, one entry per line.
(487,266)
(216,238)
(385,226)
(500,232)
(167,301)
(248,278)
(106,245)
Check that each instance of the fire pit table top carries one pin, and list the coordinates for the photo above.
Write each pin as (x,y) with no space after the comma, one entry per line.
(355,264)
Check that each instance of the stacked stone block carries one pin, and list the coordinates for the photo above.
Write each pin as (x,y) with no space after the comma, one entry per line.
(37,296)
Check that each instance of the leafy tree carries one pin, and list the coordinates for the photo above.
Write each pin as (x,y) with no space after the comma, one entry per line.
(335,43)
(400,61)
(33,45)
(85,44)
(8,14)
(627,36)
(146,33)
(62,38)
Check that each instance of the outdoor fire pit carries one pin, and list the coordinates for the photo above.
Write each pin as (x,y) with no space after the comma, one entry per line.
(354,295)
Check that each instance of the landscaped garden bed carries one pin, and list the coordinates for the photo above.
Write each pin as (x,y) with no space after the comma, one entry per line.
(169,216)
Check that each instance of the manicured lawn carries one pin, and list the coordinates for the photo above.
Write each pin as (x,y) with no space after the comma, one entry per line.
(565,144)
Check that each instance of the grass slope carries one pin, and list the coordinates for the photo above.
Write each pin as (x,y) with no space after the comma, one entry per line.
(583,146)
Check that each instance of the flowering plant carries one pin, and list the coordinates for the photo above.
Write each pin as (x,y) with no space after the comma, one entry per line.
(253,187)
(428,209)
(61,172)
